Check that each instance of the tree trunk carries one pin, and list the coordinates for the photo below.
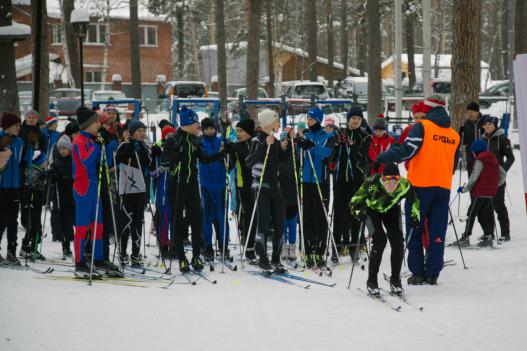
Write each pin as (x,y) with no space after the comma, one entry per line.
(331,53)
(410,49)
(8,88)
(299,63)
(135,58)
(504,39)
(69,44)
(344,36)
(466,27)
(520,37)
(253,51)
(270,56)
(194,42)
(311,19)
(374,59)
(213,21)
(221,56)
(106,51)
(180,40)
(40,55)
(362,45)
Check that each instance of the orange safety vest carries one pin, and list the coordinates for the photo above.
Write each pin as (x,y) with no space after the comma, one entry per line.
(434,163)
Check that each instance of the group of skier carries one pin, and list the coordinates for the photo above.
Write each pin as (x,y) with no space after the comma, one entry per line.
(98,175)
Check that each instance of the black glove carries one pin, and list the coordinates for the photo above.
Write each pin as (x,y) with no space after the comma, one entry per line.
(376,165)
(228,147)
(415,223)
(343,137)
(304,143)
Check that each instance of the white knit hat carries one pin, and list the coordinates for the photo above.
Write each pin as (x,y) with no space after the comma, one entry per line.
(267,118)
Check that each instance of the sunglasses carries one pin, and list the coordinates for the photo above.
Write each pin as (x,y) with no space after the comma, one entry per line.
(390,178)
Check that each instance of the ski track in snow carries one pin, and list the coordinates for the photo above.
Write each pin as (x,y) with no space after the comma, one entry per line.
(482,308)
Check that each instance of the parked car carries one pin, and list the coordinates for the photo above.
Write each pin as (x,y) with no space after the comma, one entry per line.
(306,89)
(25,99)
(494,93)
(184,89)
(441,86)
(68,100)
(262,94)
(103,95)
(356,88)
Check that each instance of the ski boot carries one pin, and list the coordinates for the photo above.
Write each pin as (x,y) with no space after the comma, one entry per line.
(197,263)
(354,254)
(251,257)
(124,259)
(486,241)
(11,259)
(416,280)
(292,253)
(183,265)
(345,251)
(464,241)
(320,261)
(137,261)
(373,288)
(227,254)
(109,269)
(431,281)
(82,271)
(1,259)
(66,252)
(310,261)
(396,286)
(285,252)
(208,255)
(279,267)
(265,265)
(506,237)
(334,257)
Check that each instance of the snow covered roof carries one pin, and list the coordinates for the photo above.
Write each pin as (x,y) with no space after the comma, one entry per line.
(15,30)
(444,60)
(56,70)
(287,48)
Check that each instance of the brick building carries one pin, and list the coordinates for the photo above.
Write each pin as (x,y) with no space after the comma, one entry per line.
(154,39)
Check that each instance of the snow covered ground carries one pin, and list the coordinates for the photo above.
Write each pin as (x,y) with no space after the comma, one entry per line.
(481,308)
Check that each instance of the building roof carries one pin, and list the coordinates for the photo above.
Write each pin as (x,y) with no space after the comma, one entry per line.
(444,60)
(56,70)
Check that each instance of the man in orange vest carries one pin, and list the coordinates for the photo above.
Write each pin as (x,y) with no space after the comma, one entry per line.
(432,149)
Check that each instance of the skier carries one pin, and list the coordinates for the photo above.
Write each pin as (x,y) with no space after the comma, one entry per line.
(263,158)
(317,149)
(380,142)
(432,148)
(351,166)
(378,198)
(498,143)
(52,136)
(470,132)
(86,154)
(483,184)
(133,158)
(11,181)
(181,154)
(213,177)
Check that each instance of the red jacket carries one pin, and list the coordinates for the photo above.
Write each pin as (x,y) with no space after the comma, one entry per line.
(489,178)
(403,137)
(377,146)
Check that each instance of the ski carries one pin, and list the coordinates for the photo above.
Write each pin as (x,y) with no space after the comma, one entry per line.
(28,268)
(382,300)
(278,278)
(228,265)
(116,281)
(190,281)
(307,280)
(203,276)
(320,271)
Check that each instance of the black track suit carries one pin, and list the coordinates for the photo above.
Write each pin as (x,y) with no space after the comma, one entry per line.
(351,164)
(472,131)
(181,154)
(270,206)
(132,158)
(500,146)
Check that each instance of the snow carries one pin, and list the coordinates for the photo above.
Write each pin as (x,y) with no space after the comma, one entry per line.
(15,29)
(80,15)
(57,71)
(444,60)
(481,308)
(161,78)
(117,77)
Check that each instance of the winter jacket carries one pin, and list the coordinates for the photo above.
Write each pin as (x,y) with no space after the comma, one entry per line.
(320,155)
(213,174)
(133,159)
(256,161)
(61,175)
(378,146)
(404,134)
(111,143)
(239,153)
(181,154)
(372,194)
(500,146)
(472,132)
(86,154)
(286,174)
(11,175)
(351,161)
(51,137)
(486,176)
(36,147)
(414,141)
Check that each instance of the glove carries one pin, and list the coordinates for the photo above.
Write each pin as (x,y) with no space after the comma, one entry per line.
(343,137)
(332,166)
(228,147)
(460,190)
(363,214)
(376,165)
(304,143)
(415,223)
(99,139)
(5,141)
(44,174)
(160,170)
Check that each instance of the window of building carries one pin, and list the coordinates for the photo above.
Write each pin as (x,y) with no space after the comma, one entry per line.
(95,33)
(57,33)
(148,35)
(93,76)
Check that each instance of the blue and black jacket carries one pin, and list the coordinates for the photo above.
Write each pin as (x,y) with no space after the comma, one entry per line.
(320,155)
(11,176)
(213,174)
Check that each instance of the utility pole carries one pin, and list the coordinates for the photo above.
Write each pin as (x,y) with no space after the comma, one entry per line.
(426,72)
(510,41)
(397,61)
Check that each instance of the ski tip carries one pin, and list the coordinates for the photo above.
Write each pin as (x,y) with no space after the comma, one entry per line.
(307,286)
(235,268)
(214,282)
(421,308)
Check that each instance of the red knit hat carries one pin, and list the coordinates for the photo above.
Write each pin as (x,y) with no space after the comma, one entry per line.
(9,119)
(50,120)
(167,130)
(418,107)
(433,101)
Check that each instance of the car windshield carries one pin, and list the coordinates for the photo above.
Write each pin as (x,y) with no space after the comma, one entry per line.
(442,87)
(242,91)
(305,91)
(109,96)
(70,93)
(189,90)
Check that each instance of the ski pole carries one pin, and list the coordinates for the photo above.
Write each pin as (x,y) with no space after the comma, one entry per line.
(303,251)
(356,254)
(94,236)
(44,223)
(300,213)
(457,238)
(256,202)
(323,204)
(225,212)
(494,222)
(144,182)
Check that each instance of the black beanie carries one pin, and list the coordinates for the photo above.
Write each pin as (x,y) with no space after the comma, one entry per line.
(246,125)
(71,128)
(86,117)
(354,111)
(390,169)
(163,123)
(473,106)
(207,123)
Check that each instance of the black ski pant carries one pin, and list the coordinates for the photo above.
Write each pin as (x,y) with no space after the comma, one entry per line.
(107,222)
(55,213)
(503,215)
(480,208)
(393,233)
(315,223)
(344,221)
(32,210)
(67,223)
(269,213)
(132,219)
(9,206)
(246,201)
(185,197)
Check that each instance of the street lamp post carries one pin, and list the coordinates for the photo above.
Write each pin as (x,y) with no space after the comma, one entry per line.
(80,18)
